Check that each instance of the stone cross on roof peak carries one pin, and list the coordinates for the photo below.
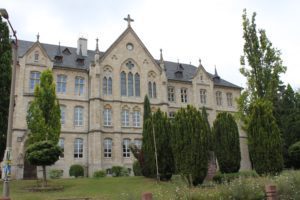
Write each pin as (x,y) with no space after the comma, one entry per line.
(128,19)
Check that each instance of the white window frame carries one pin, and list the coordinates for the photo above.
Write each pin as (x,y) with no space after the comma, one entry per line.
(79,85)
(184,95)
(34,80)
(126,148)
(61,84)
(171,94)
(107,117)
(136,118)
(78,148)
(125,118)
(78,116)
(203,96)
(107,148)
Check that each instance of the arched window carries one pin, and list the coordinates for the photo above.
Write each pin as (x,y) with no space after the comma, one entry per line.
(150,89)
(130,84)
(123,84)
(104,86)
(61,83)
(107,117)
(107,147)
(78,116)
(109,89)
(78,148)
(154,90)
(137,85)
(126,149)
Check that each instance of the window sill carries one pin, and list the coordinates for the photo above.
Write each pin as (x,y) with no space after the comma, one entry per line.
(107,126)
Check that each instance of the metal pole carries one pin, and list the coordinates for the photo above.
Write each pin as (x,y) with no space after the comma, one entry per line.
(7,155)
(155,150)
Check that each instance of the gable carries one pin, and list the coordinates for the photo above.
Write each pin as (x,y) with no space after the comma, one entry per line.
(37,55)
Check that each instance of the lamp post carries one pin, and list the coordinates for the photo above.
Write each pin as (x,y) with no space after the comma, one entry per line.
(7,154)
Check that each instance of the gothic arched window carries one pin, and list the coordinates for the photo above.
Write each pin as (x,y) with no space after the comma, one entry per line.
(123,84)
(137,85)
(130,84)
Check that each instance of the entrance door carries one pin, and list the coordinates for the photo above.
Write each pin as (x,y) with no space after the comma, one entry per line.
(29,171)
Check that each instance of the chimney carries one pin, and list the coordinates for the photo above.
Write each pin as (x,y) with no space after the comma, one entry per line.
(82,44)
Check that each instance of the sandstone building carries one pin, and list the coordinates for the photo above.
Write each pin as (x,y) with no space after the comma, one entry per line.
(101,96)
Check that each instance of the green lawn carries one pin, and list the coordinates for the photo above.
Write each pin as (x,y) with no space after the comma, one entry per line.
(103,188)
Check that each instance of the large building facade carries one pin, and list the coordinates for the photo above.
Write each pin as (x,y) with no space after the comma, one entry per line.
(101,97)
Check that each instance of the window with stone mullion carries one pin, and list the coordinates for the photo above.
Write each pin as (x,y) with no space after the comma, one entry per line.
(130,84)
(126,149)
(61,84)
(137,85)
(107,148)
(107,117)
(125,118)
(104,86)
(136,118)
(123,84)
(78,148)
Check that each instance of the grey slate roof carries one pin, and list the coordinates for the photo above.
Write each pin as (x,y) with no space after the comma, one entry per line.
(69,61)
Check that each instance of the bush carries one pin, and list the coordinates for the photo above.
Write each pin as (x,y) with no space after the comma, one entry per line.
(137,170)
(119,171)
(76,170)
(56,173)
(99,174)
(288,184)
(223,178)
(294,153)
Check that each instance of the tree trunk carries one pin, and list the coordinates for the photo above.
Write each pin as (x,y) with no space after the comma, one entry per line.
(44,176)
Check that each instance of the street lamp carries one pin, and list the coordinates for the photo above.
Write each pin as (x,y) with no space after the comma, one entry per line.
(7,154)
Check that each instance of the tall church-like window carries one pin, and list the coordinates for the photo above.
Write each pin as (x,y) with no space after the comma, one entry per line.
(137,85)
(123,84)
(150,89)
(107,147)
(104,86)
(34,80)
(126,149)
(78,148)
(130,84)
(109,86)
(154,90)
(61,84)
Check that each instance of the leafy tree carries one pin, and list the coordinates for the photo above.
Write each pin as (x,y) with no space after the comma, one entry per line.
(5,81)
(227,143)
(43,120)
(288,119)
(261,65)
(43,153)
(190,144)
(162,130)
(265,144)
(294,152)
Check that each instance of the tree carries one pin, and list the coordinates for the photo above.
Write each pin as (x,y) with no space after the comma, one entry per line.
(261,65)
(5,81)
(227,143)
(162,130)
(190,144)
(43,121)
(264,139)
(288,119)
(146,156)
(210,135)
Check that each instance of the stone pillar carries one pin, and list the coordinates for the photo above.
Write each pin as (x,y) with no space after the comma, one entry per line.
(271,192)
(147,196)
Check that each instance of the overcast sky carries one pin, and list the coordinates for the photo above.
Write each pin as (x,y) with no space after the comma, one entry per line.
(185,30)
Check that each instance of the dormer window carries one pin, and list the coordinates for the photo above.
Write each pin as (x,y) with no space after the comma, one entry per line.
(36,56)
(66,51)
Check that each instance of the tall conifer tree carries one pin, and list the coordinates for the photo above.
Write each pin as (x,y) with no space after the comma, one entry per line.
(5,81)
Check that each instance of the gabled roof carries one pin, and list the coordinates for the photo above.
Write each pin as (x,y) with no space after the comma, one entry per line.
(69,61)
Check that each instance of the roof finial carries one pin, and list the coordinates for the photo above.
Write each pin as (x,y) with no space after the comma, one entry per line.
(38,37)
(128,19)
(161,56)
(216,73)
(97,47)
(200,61)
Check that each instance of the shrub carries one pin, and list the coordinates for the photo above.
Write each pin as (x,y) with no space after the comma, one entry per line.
(294,153)
(56,173)
(76,170)
(223,178)
(288,184)
(227,143)
(137,170)
(99,174)
(119,171)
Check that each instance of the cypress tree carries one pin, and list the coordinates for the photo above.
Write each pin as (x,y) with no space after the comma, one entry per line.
(147,161)
(227,144)
(5,81)
(265,144)
(162,129)
(190,145)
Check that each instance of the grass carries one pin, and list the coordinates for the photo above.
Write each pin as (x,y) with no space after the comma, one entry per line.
(108,188)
